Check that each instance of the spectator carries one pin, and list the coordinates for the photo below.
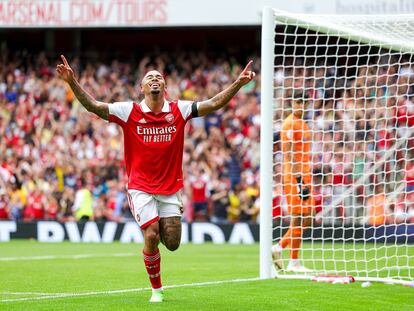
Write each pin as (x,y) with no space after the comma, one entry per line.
(234,167)
(377,207)
(35,208)
(83,205)
(234,210)
(4,206)
(409,177)
(404,208)
(17,202)
(199,197)
(120,202)
(219,201)
(65,203)
(52,207)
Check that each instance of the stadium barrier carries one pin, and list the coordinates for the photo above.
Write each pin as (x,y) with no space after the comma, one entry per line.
(197,232)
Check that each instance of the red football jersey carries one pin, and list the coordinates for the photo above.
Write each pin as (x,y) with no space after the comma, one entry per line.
(198,188)
(153,144)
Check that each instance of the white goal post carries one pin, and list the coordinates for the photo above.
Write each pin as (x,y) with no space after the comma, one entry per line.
(357,75)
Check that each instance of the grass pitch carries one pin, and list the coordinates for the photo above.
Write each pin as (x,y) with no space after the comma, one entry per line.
(66,276)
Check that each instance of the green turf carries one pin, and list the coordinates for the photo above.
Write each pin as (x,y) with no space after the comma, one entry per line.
(190,264)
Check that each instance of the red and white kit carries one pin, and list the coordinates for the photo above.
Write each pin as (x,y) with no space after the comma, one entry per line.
(153,148)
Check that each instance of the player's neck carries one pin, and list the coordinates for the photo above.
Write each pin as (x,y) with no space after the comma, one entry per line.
(298,115)
(155,103)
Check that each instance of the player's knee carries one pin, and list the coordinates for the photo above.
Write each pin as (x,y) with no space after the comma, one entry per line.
(297,232)
(153,237)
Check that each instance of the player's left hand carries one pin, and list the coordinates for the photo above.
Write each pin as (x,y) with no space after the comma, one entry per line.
(246,75)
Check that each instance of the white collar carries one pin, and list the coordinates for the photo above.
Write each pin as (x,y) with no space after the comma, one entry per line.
(145,108)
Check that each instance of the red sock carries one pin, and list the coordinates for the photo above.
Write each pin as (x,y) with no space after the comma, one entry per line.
(152,263)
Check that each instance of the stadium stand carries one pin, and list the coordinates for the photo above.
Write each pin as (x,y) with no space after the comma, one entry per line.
(81,157)
(351,129)
(80,175)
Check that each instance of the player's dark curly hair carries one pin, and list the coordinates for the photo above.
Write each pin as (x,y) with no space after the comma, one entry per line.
(299,95)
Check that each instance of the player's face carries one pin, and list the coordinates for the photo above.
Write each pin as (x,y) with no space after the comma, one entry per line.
(299,107)
(153,83)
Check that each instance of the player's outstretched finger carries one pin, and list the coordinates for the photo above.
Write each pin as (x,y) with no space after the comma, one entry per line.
(64,60)
(247,66)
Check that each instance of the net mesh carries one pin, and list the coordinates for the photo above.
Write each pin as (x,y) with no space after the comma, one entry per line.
(357,74)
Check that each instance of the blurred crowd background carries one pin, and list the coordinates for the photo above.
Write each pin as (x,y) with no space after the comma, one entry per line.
(362,127)
(57,161)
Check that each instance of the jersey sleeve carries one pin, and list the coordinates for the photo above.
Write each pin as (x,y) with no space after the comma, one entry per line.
(119,112)
(188,109)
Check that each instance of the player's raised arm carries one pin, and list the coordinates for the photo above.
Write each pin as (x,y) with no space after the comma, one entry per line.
(66,73)
(222,98)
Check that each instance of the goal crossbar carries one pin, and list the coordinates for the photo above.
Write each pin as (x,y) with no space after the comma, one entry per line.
(332,24)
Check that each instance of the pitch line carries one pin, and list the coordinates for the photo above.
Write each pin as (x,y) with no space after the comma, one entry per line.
(27,293)
(79,256)
(120,291)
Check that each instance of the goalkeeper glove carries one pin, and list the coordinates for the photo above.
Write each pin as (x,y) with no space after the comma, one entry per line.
(303,190)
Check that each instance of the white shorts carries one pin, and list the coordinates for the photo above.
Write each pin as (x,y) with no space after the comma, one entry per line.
(149,208)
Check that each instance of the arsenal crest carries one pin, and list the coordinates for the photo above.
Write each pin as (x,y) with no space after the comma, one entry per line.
(170,118)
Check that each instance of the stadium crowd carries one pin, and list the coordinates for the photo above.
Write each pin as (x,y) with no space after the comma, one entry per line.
(59,162)
(362,127)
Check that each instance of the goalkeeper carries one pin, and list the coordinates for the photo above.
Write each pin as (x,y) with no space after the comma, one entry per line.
(296,145)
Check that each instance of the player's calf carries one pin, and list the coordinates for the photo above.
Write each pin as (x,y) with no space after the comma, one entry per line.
(170,232)
(172,245)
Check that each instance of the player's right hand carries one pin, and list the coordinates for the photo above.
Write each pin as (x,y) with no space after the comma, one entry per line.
(303,190)
(64,71)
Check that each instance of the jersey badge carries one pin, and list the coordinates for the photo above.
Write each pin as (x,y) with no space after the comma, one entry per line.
(170,118)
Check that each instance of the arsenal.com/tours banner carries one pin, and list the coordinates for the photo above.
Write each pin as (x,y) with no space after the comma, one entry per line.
(197,232)
(72,13)
(171,13)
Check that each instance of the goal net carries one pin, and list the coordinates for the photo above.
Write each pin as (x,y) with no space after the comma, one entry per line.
(353,77)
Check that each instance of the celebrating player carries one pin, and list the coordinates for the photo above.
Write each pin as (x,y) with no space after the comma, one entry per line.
(297,178)
(154,141)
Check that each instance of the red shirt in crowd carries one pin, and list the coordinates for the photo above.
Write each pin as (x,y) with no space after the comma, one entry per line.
(409,175)
(52,210)
(405,113)
(3,210)
(198,188)
(34,208)
(385,139)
